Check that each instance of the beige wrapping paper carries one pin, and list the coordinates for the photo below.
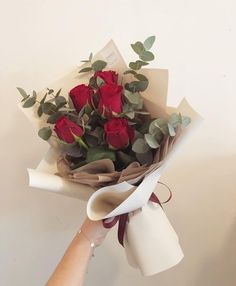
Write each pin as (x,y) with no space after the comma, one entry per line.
(151,243)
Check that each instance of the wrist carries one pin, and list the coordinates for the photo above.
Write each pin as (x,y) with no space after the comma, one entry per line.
(82,238)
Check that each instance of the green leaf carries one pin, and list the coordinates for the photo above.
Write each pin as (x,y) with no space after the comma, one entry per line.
(34,94)
(99,153)
(99,65)
(137,65)
(22,92)
(135,86)
(29,102)
(43,99)
(45,133)
(148,43)
(171,130)
(140,146)
(185,121)
(130,72)
(145,158)
(49,108)
(125,158)
(73,150)
(151,141)
(133,98)
(40,111)
(58,93)
(100,81)
(50,90)
(141,77)
(90,56)
(175,119)
(146,56)
(130,114)
(91,140)
(85,70)
(54,117)
(138,47)
(60,101)
(24,98)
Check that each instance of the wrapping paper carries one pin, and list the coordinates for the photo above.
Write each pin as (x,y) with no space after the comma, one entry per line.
(151,243)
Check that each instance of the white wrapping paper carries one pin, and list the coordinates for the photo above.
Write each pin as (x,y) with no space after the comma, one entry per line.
(151,243)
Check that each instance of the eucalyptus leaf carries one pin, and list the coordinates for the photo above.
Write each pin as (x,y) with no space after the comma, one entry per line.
(85,70)
(29,102)
(148,43)
(25,98)
(171,130)
(135,86)
(58,93)
(50,90)
(60,101)
(91,140)
(151,141)
(99,65)
(135,65)
(145,158)
(130,72)
(138,47)
(49,108)
(99,153)
(74,151)
(22,92)
(43,99)
(175,119)
(54,117)
(125,158)
(100,81)
(45,133)
(140,146)
(40,111)
(141,77)
(132,97)
(146,56)
(34,94)
(185,121)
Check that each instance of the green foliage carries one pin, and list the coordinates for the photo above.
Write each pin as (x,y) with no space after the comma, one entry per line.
(151,141)
(45,133)
(98,65)
(22,92)
(148,43)
(49,108)
(140,146)
(99,153)
(85,70)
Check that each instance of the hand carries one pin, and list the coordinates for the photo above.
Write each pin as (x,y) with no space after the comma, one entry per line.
(94,231)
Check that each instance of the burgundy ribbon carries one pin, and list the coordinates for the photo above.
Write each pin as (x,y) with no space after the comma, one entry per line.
(123,218)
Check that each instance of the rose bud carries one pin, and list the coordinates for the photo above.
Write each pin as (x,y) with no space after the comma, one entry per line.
(65,129)
(110,99)
(107,76)
(81,95)
(118,132)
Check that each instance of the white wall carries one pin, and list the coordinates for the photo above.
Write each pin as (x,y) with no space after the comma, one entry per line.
(42,40)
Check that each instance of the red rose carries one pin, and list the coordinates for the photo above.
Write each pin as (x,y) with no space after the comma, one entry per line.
(110,99)
(118,132)
(64,129)
(81,95)
(107,76)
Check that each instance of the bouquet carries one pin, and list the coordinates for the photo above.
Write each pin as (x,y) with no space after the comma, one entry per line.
(111,136)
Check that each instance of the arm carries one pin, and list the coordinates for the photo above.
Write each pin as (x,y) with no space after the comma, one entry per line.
(72,267)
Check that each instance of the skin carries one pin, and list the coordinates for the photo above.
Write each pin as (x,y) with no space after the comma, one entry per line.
(72,268)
